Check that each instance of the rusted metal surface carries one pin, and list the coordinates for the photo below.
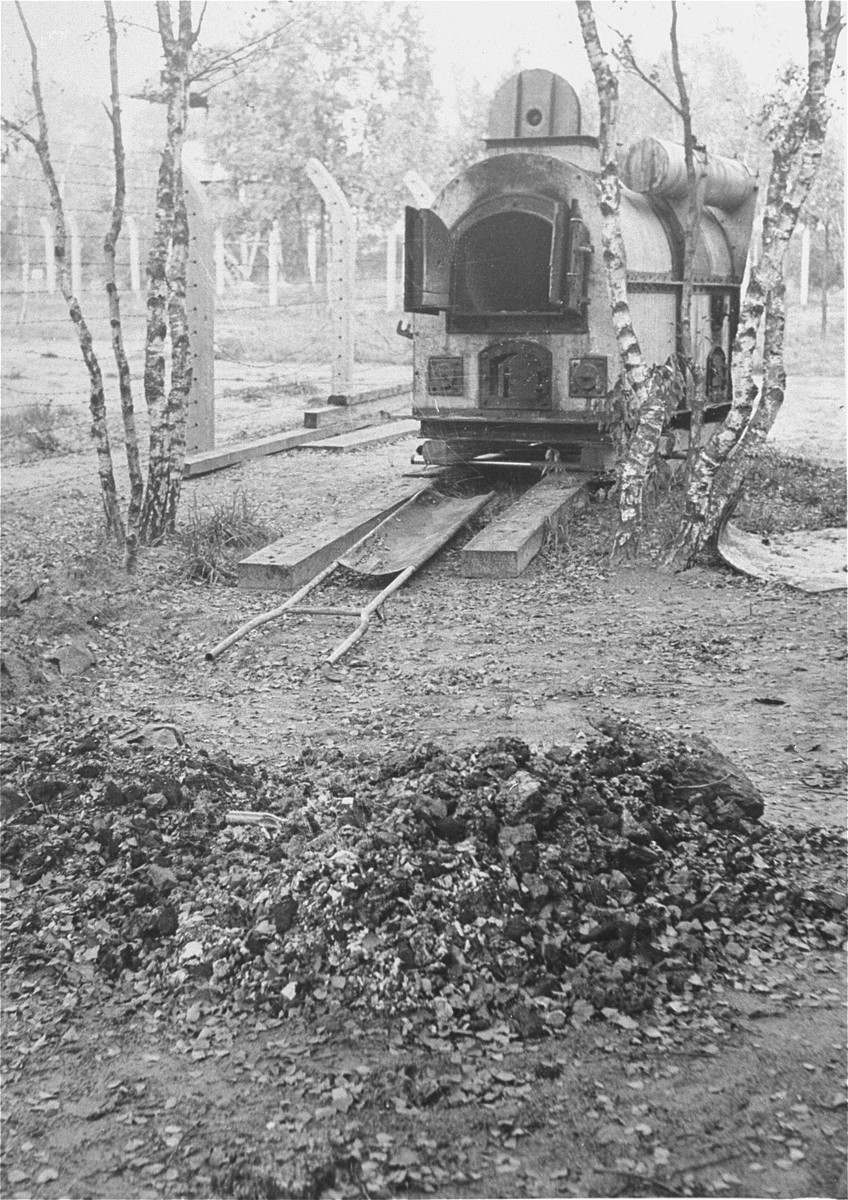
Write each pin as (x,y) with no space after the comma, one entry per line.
(412,534)
(534,104)
(648,245)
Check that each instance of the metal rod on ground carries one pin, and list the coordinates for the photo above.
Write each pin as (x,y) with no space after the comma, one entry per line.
(367,614)
(263,618)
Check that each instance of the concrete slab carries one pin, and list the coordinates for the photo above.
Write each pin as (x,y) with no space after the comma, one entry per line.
(504,548)
(293,560)
(385,432)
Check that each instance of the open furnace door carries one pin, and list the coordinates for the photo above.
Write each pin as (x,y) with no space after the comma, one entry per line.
(427,263)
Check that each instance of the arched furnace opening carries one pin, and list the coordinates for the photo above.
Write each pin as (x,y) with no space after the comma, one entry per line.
(502,265)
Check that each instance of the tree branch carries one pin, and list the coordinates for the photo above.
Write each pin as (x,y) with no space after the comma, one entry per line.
(631,64)
(14,127)
(196,33)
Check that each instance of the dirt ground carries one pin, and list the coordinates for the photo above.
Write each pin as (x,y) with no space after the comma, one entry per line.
(107,1097)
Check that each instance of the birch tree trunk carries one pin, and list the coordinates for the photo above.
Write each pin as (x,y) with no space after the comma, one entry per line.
(695,158)
(97,398)
(160,495)
(642,404)
(797,141)
(109,249)
(696,171)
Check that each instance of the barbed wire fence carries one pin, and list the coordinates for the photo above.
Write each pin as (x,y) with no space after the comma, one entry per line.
(262,311)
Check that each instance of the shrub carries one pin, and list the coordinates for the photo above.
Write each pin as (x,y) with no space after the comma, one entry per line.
(212,541)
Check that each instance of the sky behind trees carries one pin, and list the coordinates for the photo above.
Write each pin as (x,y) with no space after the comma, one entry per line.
(483,39)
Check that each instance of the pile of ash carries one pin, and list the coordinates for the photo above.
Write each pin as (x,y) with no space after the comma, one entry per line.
(488,886)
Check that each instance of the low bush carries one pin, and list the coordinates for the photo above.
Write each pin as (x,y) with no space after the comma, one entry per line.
(212,540)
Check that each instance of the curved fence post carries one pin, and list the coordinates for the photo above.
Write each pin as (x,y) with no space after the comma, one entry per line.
(312,254)
(340,276)
(422,193)
(394,239)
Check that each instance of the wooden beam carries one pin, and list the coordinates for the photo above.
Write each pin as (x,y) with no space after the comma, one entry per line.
(504,548)
(365,394)
(228,456)
(331,414)
(387,431)
(293,560)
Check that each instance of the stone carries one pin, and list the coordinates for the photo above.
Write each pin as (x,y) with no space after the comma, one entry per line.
(162,878)
(72,659)
(11,801)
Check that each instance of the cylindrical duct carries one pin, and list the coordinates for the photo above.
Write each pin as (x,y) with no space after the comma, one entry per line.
(658,168)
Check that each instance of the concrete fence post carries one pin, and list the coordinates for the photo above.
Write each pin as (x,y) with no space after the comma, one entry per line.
(200,305)
(135,255)
(274,254)
(340,281)
(76,253)
(394,240)
(49,255)
(312,254)
(805,266)
(220,262)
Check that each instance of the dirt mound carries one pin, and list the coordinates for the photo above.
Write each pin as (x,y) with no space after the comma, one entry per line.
(489,888)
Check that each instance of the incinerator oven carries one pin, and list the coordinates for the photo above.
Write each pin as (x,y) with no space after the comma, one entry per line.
(514,349)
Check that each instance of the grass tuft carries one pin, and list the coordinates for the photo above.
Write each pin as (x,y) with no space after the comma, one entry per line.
(36,425)
(784,492)
(213,541)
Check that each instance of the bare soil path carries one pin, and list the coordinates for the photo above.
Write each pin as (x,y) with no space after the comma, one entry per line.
(107,1095)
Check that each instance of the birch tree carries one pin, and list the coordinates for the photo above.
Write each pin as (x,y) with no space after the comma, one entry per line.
(796,128)
(152,508)
(40,143)
(648,402)
(166,289)
(114,301)
(695,158)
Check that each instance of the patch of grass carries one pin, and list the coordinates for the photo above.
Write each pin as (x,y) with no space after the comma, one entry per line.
(212,540)
(807,352)
(306,332)
(36,425)
(784,492)
(273,391)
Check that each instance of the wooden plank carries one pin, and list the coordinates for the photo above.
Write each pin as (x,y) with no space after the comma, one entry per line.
(293,560)
(504,548)
(333,414)
(228,456)
(374,434)
(368,394)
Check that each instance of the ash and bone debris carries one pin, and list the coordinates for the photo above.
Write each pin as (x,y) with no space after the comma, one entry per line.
(488,885)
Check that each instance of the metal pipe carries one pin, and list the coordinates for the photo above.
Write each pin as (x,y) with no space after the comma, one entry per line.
(263,618)
(326,611)
(367,613)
